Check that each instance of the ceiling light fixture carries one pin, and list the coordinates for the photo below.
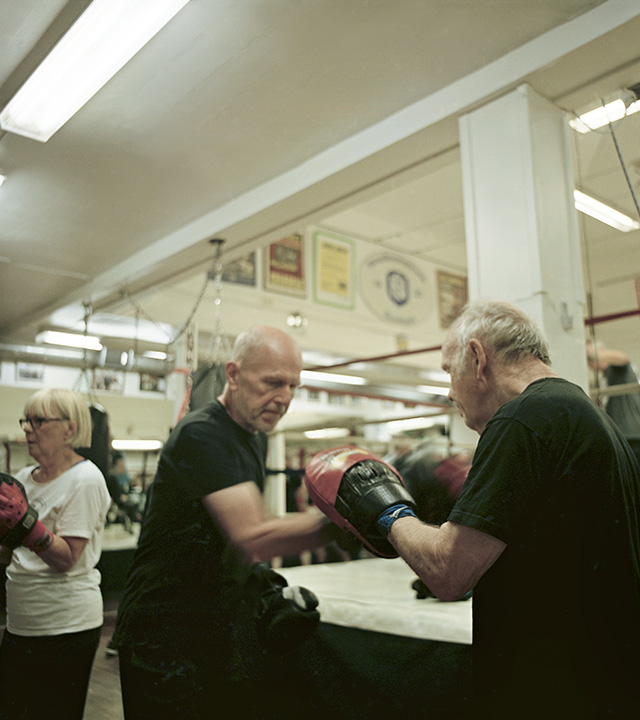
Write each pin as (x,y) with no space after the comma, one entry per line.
(139,445)
(604,213)
(311,375)
(605,114)
(103,39)
(296,320)
(54,337)
(433,390)
(326,433)
(417,423)
(155,355)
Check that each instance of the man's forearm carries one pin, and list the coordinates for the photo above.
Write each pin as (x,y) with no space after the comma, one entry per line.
(449,559)
(289,535)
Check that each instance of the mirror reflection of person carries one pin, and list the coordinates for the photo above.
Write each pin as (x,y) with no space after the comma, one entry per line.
(624,409)
(54,603)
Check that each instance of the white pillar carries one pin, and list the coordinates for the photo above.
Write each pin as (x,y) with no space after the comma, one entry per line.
(521,224)
(275,490)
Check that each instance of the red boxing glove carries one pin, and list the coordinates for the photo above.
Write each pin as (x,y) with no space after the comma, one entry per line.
(19,523)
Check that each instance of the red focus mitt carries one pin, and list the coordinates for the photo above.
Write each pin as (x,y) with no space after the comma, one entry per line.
(19,523)
(353,487)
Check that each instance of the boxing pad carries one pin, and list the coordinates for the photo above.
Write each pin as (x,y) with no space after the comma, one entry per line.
(353,487)
(19,523)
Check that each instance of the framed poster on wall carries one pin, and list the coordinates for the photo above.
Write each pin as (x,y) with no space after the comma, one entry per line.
(333,269)
(108,380)
(241,271)
(284,266)
(452,296)
(29,371)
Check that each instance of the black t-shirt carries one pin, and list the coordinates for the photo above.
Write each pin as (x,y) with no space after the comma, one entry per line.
(184,589)
(624,409)
(556,619)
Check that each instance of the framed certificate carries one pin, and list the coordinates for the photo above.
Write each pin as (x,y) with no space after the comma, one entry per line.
(452,296)
(284,266)
(241,271)
(333,269)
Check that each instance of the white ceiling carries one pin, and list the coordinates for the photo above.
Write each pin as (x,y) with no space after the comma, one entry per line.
(253,119)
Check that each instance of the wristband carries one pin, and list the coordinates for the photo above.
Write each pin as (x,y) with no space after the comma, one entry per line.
(390,515)
(39,539)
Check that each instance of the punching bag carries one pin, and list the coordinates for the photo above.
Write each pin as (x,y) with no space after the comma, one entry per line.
(99,452)
(207,383)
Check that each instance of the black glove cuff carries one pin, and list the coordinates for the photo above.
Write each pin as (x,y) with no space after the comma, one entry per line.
(19,532)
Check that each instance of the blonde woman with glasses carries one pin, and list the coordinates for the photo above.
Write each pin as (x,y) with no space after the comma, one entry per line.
(52,517)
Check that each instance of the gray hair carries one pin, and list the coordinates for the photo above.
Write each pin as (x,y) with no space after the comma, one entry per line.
(502,328)
(65,404)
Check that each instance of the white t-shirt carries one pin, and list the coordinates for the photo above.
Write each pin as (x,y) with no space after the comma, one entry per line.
(40,600)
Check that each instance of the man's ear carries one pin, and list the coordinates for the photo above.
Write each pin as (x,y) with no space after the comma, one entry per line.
(231,370)
(478,357)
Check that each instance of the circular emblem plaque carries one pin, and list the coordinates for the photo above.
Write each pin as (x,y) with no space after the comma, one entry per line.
(394,289)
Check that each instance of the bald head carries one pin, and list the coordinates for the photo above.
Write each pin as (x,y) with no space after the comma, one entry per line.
(262,377)
(264,339)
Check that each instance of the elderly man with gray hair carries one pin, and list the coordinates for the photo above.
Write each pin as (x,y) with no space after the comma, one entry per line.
(546,530)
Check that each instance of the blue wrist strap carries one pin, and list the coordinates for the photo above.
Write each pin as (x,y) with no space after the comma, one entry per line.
(390,515)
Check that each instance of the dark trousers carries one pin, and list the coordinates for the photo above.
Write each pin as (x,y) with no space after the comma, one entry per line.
(158,688)
(46,677)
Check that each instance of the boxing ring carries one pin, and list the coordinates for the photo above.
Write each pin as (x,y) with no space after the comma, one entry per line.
(379,650)
(376,595)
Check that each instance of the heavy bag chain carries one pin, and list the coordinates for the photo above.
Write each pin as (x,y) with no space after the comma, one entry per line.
(220,350)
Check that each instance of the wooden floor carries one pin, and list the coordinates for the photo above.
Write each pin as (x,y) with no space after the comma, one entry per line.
(104,700)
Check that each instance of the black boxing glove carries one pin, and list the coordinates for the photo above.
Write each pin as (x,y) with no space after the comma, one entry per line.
(286,615)
(353,488)
(19,523)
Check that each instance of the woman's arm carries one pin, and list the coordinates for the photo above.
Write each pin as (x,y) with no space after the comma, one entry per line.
(63,553)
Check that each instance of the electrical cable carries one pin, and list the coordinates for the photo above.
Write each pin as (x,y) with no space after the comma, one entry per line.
(624,168)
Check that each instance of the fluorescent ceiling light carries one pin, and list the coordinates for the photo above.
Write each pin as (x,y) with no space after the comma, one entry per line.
(53,337)
(417,423)
(603,115)
(108,325)
(326,433)
(311,375)
(433,390)
(598,210)
(154,355)
(141,445)
(103,39)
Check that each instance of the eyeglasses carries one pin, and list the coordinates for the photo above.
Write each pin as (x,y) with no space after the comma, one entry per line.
(36,422)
